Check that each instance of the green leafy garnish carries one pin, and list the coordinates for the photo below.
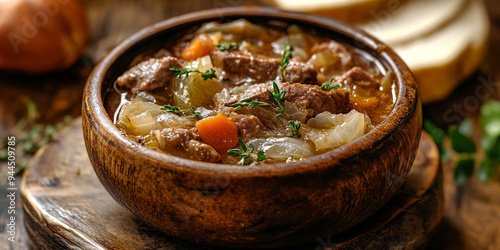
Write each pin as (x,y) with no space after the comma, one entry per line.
(29,136)
(247,102)
(490,126)
(438,135)
(184,71)
(278,97)
(179,111)
(246,154)
(460,142)
(294,127)
(192,112)
(463,171)
(485,171)
(209,74)
(285,58)
(328,85)
(228,46)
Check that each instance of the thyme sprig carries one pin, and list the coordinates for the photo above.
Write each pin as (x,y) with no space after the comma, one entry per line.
(248,102)
(295,127)
(178,111)
(228,46)
(278,97)
(285,58)
(329,86)
(209,74)
(246,154)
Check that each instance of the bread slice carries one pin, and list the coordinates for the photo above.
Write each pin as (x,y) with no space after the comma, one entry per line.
(345,10)
(444,58)
(413,20)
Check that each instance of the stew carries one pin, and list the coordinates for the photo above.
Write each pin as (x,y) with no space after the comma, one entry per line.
(244,93)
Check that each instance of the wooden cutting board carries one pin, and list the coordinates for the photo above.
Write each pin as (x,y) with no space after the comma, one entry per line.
(66,206)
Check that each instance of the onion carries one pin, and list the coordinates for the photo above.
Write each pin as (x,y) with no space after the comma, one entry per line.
(327,131)
(283,148)
(240,28)
(194,91)
(295,112)
(169,120)
(142,124)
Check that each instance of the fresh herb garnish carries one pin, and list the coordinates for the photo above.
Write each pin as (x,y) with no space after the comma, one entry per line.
(294,127)
(184,71)
(192,112)
(209,74)
(30,136)
(179,111)
(245,154)
(247,102)
(228,46)
(465,148)
(285,58)
(278,97)
(328,85)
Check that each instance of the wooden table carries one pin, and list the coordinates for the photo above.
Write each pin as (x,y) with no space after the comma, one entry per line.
(472,211)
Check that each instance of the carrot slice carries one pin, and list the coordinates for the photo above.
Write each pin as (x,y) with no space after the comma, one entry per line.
(200,46)
(219,132)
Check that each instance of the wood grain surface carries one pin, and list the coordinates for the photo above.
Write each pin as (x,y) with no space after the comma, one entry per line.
(66,206)
(472,212)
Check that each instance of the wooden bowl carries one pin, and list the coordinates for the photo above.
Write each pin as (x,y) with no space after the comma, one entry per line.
(251,206)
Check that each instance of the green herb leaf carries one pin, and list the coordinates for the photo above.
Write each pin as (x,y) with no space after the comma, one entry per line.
(228,46)
(247,102)
(278,97)
(485,171)
(178,111)
(328,85)
(245,154)
(294,127)
(463,170)
(460,142)
(285,58)
(261,156)
(438,135)
(236,152)
(490,126)
(209,74)
(192,112)
(184,71)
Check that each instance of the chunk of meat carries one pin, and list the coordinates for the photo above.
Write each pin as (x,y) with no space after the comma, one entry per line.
(358,77)
(187,143)
(237,66)
(149,75)
(305,96)
(249,126)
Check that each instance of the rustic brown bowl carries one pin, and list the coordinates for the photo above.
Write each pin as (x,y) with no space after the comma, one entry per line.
(251,206)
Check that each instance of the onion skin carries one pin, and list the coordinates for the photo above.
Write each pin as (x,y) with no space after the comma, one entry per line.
(38,36)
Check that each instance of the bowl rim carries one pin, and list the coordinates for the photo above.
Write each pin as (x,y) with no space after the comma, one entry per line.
(407,97)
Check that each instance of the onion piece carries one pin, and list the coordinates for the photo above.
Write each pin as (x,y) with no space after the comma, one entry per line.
(327,131)
(283,148)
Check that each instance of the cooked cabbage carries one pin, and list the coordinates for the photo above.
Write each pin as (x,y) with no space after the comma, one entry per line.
(140,118)
(327,131)
(239,29)
(194,91)
(283,149)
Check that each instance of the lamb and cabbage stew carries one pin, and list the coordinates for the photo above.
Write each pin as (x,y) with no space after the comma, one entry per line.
(244,93)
